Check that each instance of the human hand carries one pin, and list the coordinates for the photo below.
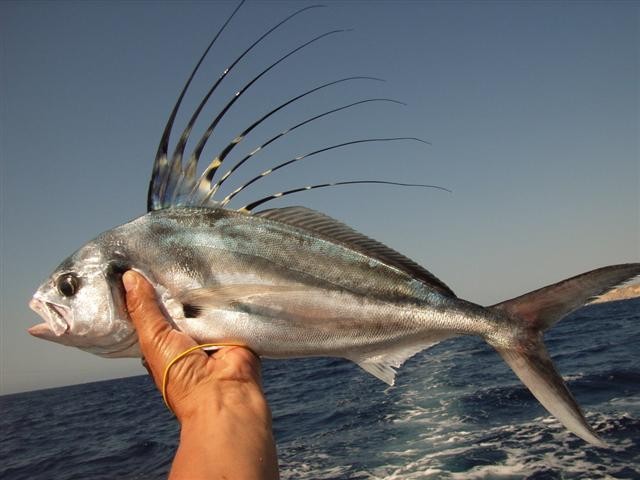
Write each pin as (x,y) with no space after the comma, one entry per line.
(197,379)
(217,398)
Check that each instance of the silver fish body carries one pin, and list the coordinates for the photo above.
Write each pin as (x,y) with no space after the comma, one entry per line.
(286,292)
(279,289)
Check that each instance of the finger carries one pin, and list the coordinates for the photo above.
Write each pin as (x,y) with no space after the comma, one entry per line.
(151,324)
(143,309)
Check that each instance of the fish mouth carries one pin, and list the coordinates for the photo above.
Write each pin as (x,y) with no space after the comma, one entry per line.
(55,324)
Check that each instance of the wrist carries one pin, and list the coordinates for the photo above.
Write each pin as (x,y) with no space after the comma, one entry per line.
(222,398)
(231,439)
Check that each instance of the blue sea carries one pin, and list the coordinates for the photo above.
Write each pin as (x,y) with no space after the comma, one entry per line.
(457,412)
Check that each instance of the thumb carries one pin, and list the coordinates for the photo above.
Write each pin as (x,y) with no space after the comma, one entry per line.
(150,322)
(159,342)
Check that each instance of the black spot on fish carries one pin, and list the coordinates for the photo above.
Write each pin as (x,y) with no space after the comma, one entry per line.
(116,269)
(191,311)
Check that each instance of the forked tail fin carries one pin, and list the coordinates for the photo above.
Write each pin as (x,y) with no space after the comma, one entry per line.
(535,312)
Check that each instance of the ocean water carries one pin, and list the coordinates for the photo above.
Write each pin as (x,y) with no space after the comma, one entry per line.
(457,412)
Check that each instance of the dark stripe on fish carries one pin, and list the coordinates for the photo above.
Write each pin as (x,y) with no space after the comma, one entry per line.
(191,311)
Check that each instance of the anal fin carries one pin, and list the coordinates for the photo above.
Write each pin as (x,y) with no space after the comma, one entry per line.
(383,364)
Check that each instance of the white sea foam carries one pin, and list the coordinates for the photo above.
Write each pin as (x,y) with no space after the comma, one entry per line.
(541,445)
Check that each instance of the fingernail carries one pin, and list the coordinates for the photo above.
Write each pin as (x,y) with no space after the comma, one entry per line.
(130,281)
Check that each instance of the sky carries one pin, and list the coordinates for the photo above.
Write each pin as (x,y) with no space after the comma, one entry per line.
(531,109)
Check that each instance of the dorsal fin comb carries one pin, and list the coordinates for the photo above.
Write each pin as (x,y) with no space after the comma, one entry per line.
(176,184)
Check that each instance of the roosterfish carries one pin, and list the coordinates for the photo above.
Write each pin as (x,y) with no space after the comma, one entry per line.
(292,282)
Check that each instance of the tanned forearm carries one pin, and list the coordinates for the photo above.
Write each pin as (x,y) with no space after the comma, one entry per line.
(228,440)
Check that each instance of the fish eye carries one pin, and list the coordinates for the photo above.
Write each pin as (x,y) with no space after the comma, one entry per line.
(68,284)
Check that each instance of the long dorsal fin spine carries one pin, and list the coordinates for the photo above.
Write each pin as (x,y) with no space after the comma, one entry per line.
(229,197)
(251,206)
(228,173)
(203,140)
(153,196)
(180,146)
(174,183)
(223,154)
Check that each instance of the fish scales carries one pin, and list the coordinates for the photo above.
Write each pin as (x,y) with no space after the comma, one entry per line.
(227,245)
(348,292)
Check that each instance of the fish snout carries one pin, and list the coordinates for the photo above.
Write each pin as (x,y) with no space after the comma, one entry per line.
(54,316)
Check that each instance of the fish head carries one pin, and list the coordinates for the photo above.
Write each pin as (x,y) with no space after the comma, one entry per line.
(82,304)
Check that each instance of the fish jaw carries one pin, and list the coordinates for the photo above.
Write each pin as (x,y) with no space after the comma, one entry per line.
(55,316)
